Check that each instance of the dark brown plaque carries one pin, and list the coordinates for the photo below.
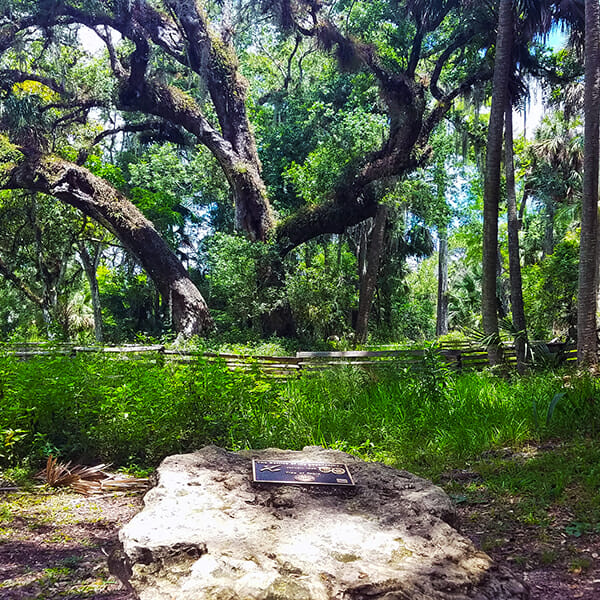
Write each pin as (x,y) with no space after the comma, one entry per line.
(283,471)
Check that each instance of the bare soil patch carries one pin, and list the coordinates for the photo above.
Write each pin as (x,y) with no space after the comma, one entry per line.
(543,548)
(555,566)
(55,545)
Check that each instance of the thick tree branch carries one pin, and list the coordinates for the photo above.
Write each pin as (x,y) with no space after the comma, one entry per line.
(253,212)
(103,32)
(330,217)
(157,130)
(8,77)
(19,284)
(216,62)
(460,42)
(415,52)
(78,187)
(444,103)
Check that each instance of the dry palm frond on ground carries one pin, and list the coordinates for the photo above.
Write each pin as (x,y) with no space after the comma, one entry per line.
(88,480)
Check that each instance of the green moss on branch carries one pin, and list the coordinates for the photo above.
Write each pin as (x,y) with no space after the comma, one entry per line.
(10,157)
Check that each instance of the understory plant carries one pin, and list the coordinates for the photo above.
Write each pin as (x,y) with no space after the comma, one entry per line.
(135,412)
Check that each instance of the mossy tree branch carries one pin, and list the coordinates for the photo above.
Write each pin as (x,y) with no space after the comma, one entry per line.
(78,187)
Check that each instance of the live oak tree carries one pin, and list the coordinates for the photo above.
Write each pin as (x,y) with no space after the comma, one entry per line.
(172,72)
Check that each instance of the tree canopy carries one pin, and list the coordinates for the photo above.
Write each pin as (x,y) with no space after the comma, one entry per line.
(286,121)
(174,71)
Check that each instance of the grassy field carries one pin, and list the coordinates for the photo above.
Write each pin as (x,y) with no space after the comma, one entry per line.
(520,456)
(133,413)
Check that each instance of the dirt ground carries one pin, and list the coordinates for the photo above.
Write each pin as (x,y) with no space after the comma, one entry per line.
(554,565)
(55,545)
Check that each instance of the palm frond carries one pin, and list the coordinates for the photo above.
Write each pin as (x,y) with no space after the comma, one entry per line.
(88,480)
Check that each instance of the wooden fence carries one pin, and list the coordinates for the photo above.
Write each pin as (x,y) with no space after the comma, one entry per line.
(460,356)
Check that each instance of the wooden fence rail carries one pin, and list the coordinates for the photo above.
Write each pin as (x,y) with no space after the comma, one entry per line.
(458,356)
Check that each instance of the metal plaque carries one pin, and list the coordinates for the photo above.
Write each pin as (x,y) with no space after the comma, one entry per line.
(283,471)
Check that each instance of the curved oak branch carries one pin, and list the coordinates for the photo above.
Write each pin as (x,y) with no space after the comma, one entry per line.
(78,187)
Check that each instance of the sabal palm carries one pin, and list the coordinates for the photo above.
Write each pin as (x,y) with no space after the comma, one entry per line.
(517,24)
(588,257)
(554,178)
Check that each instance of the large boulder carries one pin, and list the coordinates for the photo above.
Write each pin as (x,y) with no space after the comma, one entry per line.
(208,533)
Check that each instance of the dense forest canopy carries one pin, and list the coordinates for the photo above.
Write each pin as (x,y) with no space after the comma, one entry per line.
(281,158)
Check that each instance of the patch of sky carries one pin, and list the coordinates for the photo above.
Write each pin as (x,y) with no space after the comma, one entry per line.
(91,42)
(528,117)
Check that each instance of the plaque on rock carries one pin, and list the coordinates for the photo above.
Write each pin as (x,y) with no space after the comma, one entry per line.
(284,471)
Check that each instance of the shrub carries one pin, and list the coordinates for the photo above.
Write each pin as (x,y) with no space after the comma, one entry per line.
(136,411)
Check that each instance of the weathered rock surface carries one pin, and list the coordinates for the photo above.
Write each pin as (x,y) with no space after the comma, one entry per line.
(208,533)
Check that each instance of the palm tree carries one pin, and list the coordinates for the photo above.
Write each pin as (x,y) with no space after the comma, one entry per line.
(517,27)
(491,194)
(556,156)
(588,261)
(514,259)
(441,321)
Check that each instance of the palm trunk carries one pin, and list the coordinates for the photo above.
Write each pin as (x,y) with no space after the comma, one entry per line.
(90,266)
(441,325)
(491,194)
(548,242)
(588,268)
(514,259)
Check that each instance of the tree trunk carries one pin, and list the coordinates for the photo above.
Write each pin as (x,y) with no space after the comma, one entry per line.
(586,302)
(97,199)
(441,325)
(548,242)
(514,259)
(369,280)
(363,245)
(491,194)
(90,266)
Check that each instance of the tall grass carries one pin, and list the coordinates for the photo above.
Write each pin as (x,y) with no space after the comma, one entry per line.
(137,411)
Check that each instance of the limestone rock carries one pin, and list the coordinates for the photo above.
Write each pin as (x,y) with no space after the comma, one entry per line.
(208,533)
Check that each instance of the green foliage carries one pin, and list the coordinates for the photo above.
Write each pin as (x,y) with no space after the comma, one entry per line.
(413,319)
(37,246)
(106,170)
(464,297)
(317,116)
(549,291)
(241,281)
(322,291)
(22,114)
(93,408)
(138,410)
(578,528)
(16,318)
(173,186)
(566,474)
(10,155)
(9,442)
(310,133)
(554,159)
(349,135)
(131,306)
(415,312)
